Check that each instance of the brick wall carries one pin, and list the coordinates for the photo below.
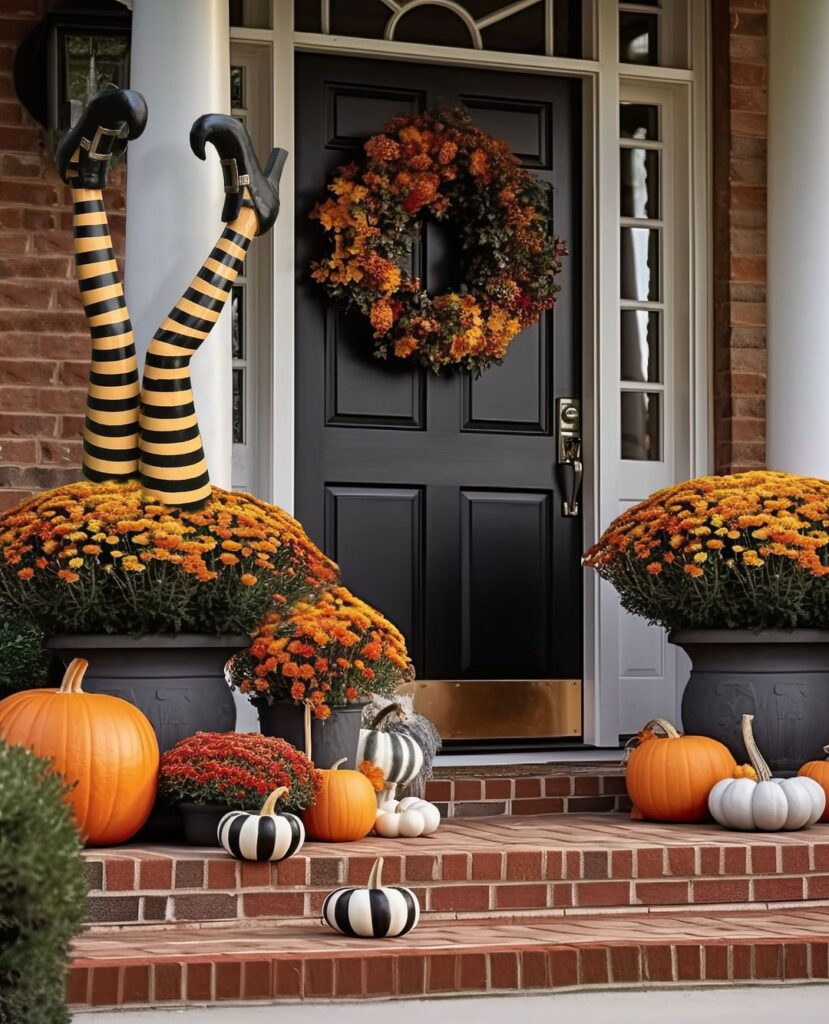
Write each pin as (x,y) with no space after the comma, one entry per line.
(44,343)
(740,91)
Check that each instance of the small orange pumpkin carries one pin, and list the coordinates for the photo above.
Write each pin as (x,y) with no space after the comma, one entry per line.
(670,776)
(103,746)
(819,771)
(345,808)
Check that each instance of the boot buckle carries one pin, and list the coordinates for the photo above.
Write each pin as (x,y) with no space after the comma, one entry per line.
(233,179)
(95,153)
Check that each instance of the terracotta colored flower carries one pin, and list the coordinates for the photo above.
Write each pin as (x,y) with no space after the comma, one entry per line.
(749,550)
(89,558)
(327,653)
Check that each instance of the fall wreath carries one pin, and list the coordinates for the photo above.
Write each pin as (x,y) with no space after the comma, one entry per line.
(440,165)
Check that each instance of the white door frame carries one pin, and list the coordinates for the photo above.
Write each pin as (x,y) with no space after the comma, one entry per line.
(608,481)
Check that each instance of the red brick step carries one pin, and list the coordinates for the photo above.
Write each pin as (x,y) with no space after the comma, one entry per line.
(191,964)
(473,867)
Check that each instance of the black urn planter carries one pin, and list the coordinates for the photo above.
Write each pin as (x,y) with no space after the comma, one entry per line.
(332,738)
(781,677)
(177,681)
(201,822)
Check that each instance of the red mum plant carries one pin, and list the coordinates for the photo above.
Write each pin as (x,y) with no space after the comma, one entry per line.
(237,769)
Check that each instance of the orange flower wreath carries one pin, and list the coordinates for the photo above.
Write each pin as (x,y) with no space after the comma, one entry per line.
(440,165)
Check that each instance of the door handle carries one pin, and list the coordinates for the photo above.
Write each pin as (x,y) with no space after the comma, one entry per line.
(569,450)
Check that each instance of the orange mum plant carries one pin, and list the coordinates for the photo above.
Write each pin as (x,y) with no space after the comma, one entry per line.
(90,558)
(749,551)
(325,655)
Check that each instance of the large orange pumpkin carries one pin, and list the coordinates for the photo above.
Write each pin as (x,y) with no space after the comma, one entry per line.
(345,808)
(102,745)
(819,771)
(670,776)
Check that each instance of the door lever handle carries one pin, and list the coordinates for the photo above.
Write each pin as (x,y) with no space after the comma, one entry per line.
(569,450)
(570,508)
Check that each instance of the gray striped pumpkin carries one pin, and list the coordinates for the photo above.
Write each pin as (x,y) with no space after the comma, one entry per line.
(263,836)
(394,753)
(374,912)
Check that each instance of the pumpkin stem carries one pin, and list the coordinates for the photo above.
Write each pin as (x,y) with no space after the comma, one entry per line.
(337,764)
(671,732)
(826,751)
(73,676)
(385,713)
(375,879)
(307,724)
(758,763)
(269,806)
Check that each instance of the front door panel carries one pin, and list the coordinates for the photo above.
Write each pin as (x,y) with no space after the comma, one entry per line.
(439,496)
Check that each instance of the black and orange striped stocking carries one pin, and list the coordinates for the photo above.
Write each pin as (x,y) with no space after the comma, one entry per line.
(110,440)
(173,467)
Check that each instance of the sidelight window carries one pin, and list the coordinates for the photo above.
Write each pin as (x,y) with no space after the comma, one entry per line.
(641,257)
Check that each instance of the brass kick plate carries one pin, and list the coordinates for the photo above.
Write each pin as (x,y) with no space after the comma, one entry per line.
(500,709)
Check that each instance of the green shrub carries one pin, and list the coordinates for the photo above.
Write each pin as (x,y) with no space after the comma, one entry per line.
(23,661)
(42,889)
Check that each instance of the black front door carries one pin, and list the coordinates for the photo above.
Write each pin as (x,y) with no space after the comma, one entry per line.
(439,496)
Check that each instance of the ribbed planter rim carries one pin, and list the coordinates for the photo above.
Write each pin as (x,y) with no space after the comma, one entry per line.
(100,641)
(749,636)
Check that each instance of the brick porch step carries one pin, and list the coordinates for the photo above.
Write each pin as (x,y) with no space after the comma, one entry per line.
(473,867)
(556,788)
(191,964)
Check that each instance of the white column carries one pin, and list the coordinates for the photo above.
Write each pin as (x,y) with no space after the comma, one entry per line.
(180,62)
(798,238)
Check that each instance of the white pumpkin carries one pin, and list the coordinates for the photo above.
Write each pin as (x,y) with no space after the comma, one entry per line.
(374,912)
(401,823)
(430,813)
(767,805)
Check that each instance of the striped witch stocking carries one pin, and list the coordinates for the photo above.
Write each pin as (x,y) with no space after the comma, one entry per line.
(172,464)
(110,438)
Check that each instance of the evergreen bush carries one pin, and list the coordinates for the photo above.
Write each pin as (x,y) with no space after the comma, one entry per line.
(42,889)
(23,661)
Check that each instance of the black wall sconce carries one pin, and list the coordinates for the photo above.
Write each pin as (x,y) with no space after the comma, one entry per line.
(79,48)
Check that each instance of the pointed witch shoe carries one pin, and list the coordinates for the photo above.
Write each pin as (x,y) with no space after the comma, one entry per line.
(173,467)
(110,118)
(241,168)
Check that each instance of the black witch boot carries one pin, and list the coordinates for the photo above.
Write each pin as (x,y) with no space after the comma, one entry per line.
(110,437)
(241,168)
(108,120)
(173,467)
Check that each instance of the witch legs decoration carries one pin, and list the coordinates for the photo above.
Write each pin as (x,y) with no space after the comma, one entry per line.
(155,435)
(110,437)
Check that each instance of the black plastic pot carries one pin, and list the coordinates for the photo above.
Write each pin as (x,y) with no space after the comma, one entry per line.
(780,677)
(201,823)
(177,681)
(331,739)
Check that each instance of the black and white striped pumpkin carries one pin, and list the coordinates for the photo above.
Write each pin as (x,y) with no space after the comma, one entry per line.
(395,754)
(374,912)
(267,835)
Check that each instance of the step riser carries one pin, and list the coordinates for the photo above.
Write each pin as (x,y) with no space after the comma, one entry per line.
(387,974)
(461,900)
(124,890)
(476,797)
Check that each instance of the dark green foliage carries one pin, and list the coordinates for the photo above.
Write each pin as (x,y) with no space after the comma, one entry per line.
(42,889)
(23,661)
